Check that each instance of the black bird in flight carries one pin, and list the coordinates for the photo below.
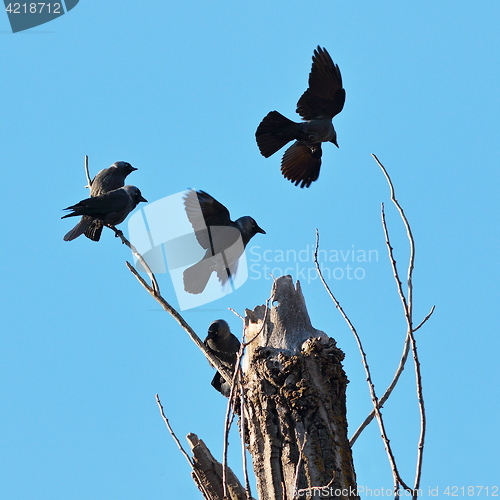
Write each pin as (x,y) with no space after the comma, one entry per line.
(223,239)
(108,179)
(225,346)
(323,100)
(110,209)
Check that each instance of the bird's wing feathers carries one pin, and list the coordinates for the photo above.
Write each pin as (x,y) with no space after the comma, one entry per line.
(114,201)
(204,211)
(301,163)
(325,96)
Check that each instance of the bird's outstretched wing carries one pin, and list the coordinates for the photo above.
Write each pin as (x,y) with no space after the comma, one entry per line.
(325,96)
(204,211)
(301,163)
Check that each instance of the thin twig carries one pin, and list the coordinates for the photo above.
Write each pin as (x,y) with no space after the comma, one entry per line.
(167,423)
(408,309)
(387,393)
(87,173)
(206,494)
(230,404)
(243,448)
(392,385)
(228,419)
(316,488)
(213,360)
(140,258)
(371,386)
(424,320)
(299,463)
(235,313)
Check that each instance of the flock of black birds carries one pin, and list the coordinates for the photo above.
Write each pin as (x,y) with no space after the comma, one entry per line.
(222,239)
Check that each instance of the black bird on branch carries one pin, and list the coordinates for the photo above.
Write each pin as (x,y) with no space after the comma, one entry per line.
(318,105)
(108,179)
(225,346)
(110,209)
(223,239)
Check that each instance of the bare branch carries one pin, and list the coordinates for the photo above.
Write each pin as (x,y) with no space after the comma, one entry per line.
(425,319)
(167,423)
(315,488)
(89,180)
(228,419)
(183,451)
(213,360)
(232,397)
(299,462)
(235,313)
(387,393)
(408,310)
(139,257)
(243,448)
(371,386)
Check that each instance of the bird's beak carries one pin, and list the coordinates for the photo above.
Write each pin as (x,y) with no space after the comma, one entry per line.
(260,230)
(132,168)
(335,142)
(143,199)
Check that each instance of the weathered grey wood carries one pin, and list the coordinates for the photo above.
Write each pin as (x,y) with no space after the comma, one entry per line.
(209,472)
(295,402)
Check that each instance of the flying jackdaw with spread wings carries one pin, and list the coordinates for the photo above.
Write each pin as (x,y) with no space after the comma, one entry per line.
(225,346)
(223,239)
(318,105)
(108,179)
(110,208)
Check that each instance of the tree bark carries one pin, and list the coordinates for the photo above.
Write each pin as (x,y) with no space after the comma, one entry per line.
(295,403)
(208,473)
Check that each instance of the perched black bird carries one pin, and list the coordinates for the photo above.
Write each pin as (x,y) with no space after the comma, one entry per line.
(108,179)
(223,239)
(323,100)
(225,346)
(110,208)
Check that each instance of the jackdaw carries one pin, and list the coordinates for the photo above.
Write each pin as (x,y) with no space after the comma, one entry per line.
(225,346)
(223,240)
(106,180)
(323,100)
(110,208)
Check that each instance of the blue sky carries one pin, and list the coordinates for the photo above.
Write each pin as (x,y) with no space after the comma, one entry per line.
(178,89)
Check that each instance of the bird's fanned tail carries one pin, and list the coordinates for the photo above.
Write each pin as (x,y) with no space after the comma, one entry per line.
(196,277)
(274,131)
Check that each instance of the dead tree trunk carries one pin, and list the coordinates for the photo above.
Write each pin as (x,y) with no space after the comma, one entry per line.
(294,387)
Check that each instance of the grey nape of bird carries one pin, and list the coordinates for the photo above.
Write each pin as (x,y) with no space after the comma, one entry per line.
(110,208)
(107,179)
(222,239)
(317,106)
(223,344)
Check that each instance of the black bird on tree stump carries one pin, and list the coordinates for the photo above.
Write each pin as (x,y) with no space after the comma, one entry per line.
(225,346)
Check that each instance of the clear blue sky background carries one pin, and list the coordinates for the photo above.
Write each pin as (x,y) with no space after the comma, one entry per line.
(178,89)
